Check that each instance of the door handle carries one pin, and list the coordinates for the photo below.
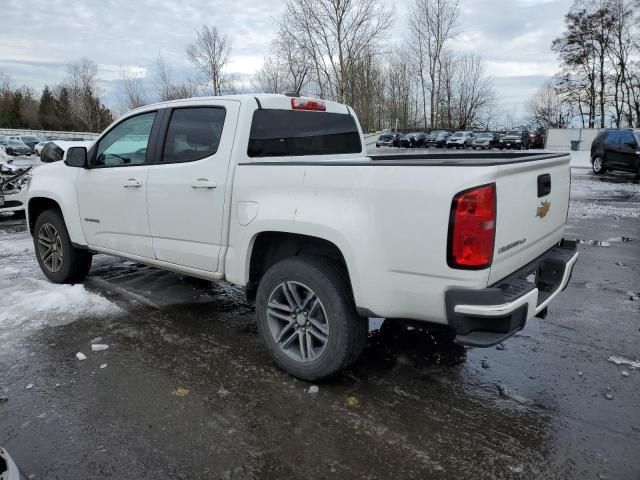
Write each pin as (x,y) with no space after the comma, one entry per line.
(132,182)
(203,183)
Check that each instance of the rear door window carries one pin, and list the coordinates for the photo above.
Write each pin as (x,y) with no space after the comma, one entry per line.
(281,133)
(627,138)
(612,139)
(194,134)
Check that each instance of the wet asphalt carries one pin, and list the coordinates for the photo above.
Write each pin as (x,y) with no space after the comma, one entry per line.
(188,392)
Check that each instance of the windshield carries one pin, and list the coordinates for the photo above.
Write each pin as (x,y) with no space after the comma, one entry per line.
(458,135)
(15,142)
(485,135)
(30,139)
(516,133)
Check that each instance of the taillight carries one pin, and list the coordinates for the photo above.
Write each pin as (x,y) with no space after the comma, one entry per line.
(472,228)
(298,103)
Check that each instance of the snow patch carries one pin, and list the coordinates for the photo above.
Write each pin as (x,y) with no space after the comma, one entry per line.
(11,247)
(37,303)
(594,210)
(6,271)
(624,361)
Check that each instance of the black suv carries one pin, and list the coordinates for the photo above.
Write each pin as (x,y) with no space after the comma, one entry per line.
(517,139)
(616,150)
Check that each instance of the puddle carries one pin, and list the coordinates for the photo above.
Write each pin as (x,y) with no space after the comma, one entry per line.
(605,243)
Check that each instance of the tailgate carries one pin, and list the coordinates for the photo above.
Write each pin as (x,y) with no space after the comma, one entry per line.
(531,213)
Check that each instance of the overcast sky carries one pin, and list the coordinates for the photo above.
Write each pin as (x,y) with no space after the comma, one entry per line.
(39,37)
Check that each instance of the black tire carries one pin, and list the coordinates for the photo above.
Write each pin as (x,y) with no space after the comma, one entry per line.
(598,166)
(74,264)
(348,331)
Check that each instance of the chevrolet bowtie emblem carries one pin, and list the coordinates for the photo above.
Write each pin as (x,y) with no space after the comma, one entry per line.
(543,209)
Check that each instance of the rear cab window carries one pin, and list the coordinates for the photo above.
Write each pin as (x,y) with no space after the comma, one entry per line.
(284,133)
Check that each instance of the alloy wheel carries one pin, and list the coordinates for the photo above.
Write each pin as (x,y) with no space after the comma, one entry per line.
(297,321)
(597,164)
(50,247)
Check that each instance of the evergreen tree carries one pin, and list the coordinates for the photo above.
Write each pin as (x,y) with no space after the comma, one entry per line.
(47,110)
(14,117)
(63,110)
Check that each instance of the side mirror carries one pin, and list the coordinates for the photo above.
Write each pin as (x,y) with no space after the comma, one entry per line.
(77,157)
(631,144)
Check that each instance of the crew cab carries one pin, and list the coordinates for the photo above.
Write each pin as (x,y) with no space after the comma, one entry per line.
(278,195)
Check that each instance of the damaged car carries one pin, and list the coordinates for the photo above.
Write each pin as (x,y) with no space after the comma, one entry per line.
(14,183)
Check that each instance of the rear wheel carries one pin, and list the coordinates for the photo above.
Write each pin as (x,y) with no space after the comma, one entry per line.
(597,165)
(307,318)
(59,260)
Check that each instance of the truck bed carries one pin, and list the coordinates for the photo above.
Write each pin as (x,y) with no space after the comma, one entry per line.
(474,159)
(454,159)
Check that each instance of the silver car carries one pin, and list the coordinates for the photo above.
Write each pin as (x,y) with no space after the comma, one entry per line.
(16,147)
(460,140)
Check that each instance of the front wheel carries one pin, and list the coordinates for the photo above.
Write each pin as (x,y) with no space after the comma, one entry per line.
(59,260)
(307,318)
(597,165)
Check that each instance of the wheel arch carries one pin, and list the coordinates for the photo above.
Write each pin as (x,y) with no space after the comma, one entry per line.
(270,247)
(37,205)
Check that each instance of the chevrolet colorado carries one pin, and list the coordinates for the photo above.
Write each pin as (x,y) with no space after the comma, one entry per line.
(277,194)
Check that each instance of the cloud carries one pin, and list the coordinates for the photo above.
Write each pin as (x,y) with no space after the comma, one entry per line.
(39,37)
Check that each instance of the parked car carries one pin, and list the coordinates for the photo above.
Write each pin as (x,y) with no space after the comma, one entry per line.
(486,140)
(30,140)
(390,139)
(39,146)
(397,139)
(307,259)
(438,138)
(385,140)
(14,182)
(536,140)
(17,147)
(616,150)
(460,140)
(413,140)
(518,139)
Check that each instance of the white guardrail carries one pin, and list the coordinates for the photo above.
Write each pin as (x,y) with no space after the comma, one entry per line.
(48,133)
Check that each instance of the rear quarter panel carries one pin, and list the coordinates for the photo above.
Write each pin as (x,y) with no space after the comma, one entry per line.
(390,223)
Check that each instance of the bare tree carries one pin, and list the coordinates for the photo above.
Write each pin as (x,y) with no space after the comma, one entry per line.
(166,88)
(83,92)
(271,76)
(433,26)
(210,54)
(6,84)
(132,89)
(548,109)
(334,35)
(474,92)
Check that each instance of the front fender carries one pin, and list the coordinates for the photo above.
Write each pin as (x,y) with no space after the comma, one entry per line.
(57,182)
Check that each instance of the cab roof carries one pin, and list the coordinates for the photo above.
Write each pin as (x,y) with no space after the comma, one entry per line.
(260,100)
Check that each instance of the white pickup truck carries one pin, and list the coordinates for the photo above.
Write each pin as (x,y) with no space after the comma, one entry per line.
(277,194)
